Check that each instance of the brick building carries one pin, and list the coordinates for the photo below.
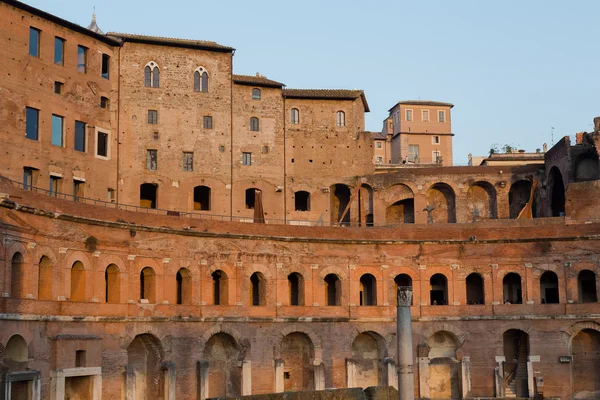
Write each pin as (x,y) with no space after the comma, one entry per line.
(153,244)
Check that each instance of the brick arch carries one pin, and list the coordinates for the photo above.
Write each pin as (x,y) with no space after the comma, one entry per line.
(394,272)
(315,340)
(143,329)
(5,336)
(539,269)
(484,272)
(143,262)
(375,271)
(429,184)
(107,260)
(298,269)
(258,268)
(71,259)
(369,327)
(446,271)
(17,247)
(579,326)
(225,268)
(41,251)
(332,269)
(54,274)
(459,335)
(503,271)
(390,195)
(80,256)
(234,333)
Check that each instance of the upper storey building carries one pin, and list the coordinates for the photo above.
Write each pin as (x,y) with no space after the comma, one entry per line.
(421,132)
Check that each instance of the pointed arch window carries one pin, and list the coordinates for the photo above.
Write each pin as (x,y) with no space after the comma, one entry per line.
(200,80)
(152,75)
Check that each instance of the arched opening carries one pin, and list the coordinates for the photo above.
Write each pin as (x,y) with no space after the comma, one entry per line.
(339,201)
(258,289)
(148,285)
(444,368)
(333,290)
(365,205)
(511,287)
(17,276)
(145,355)
(481,200)
(557,191)
(202,198)
(368,352)
(518,197)
(401,212)
(148,195)
(475,289)
(184,286)
(251,195)
(586,168)
(440,204)
(220,295)
(112,284)
(438,290)
(296,289)
(585,347)
(368,290)
(549,288)
(77,282)
(302,201)
(16,349)
(516,351)
(297,353)
(45,279)
(586,285)
(402,280)
(224,375)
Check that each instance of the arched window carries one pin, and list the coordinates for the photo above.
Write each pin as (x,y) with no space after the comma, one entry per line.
(202,198)
(152,75)
(219,288)
(148,285)
(16,349)
(302,201)
(333,290)
(296,286)
(474,284)
(254,125)
(511,285)
(439,290)
(17,279)
(403,280)
(586,284)
(112,284)
(549,288)
(340,118)
(77,282)
(258,290)
(368,290)
(200,80)
(45,279)
(184,286)
(256,94)
(295,116)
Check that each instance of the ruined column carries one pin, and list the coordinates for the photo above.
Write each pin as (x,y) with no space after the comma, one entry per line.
(202,371)
(406,379)
(392,373)
(319,375)
(279,370)
(246,378)
(170,376)
(350,372)
(129,382)
(466,376)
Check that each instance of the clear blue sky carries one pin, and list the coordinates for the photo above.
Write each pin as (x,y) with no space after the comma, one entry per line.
(513,68)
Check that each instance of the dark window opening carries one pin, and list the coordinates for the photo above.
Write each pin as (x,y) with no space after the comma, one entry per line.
(368,290)
(439,290)
(80,136)
(302,201)
(202,198)
(219,288)
(152,116)
(254,124)
(78,189)
(511,285)
(586,283)
(557,193)
(105,66)
(258,289)
(34,42)
(251,197)
(55,185)
(333,290)
(102,144)
(184,286)
(475,288)
(148,285)
(296,289)
(207,122)
(58,87)
(103,102)
(148,194)
(339,202)
(151,159)
(79,358)
(81,59)
(29,177)
(549,288)
(256,94)
(31,123)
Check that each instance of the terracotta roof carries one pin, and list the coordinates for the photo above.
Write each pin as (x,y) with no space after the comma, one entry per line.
(327,94)
(378,136)
(165,41)
(423,103)
(256,81)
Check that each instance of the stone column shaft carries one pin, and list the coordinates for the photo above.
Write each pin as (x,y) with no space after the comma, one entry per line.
(406,379)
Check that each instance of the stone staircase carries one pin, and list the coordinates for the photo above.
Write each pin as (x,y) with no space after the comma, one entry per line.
(516,385)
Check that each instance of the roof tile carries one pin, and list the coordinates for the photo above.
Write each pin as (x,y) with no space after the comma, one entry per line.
(160,40)
(327,94)
(256,81)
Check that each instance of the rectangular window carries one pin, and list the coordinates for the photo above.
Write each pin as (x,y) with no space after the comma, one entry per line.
(208,122)
(102,144)
(105,66)
(34,41)
(78,189)
(436,156)
(379,160)
(413,153)
(80,136)
(425,115)
(54,185)
(152,117)
(441,116)
(265,149)
(435,139)
(32,117)
(103,102)
(81,58)
(155,135)
(57,130)
(222,149)
(151,159)
(247,158)
(110,195)
(409,115)
(59,51)
(58,87)
(188,161)
(378,145)
(28,178)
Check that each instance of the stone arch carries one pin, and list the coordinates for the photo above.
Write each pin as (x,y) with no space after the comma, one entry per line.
(314,338)
(401,208)
(441,201)
(556,192)
(459,335)
(184,284)
(518,197)
(17,247)
(582,325)
(481,200)
(234,333)
(340,195)
(145,355)
(297,353)
(516,352)
(438,293)
(223,352)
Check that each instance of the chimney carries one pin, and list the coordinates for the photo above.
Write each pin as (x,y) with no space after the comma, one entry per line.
(596,124)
